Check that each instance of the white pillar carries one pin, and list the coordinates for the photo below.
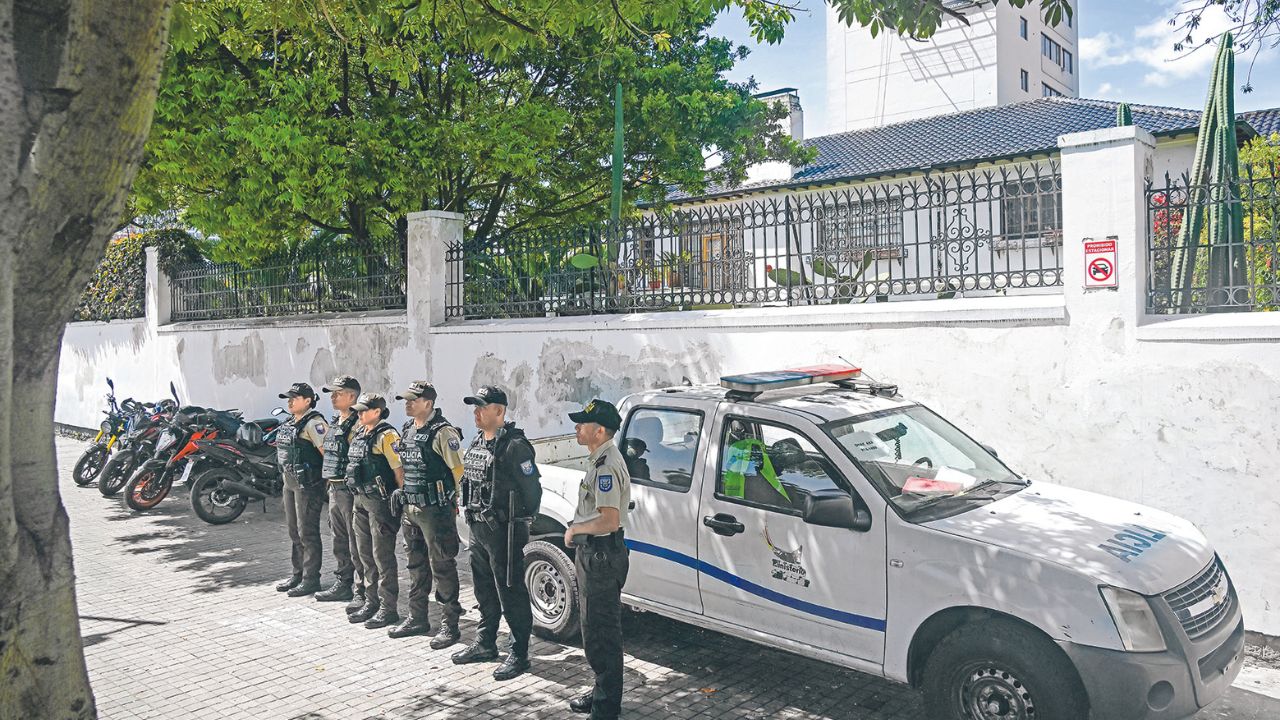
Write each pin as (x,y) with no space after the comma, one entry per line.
(159,297)
(431,233)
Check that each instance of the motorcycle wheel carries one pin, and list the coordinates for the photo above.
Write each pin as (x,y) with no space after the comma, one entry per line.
(116,472)
(90,465)
(211,503)
(147,488)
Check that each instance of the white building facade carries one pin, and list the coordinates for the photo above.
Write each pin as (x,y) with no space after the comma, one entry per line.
(1004,55)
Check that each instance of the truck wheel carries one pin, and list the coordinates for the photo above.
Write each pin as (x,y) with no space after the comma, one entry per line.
(553,591)
(999,670)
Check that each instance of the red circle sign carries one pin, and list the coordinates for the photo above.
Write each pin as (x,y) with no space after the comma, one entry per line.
(1100,270)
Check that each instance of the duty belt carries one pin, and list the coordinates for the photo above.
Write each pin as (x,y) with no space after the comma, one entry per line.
(602,542)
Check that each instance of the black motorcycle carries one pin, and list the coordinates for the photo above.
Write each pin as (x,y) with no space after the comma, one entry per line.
(138,446)
(175,449)
(231,472)
(112,429)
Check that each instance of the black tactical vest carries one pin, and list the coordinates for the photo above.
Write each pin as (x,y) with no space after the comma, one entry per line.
(363,464)
(298,459)
(427,478)
(336,445)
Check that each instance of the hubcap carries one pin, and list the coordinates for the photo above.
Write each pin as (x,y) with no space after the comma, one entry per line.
(547,591)
(994,693)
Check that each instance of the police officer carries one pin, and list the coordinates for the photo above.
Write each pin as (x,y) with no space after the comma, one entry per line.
(373,473)
(600,557)
(500,492)
(299,443)
(343,391)
(431,450)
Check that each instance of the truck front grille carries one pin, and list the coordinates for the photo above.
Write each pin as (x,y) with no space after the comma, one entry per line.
(1203,601)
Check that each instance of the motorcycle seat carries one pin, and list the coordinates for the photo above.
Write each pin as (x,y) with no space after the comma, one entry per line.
(267,423)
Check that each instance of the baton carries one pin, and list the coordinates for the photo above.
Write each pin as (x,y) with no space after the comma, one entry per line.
(511,534)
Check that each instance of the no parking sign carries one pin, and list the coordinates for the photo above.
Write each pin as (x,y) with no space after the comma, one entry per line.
(1100,263)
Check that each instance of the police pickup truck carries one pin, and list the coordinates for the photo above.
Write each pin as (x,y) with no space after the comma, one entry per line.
(820,512)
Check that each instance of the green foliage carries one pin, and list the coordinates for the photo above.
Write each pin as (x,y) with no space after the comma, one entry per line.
(920,19)
(118,288)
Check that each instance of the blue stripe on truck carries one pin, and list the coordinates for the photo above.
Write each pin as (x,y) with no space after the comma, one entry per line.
(705,568)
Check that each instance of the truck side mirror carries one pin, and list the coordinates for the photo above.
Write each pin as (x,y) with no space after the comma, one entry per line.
(836,508)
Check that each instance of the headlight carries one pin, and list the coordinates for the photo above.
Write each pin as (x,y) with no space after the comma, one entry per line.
(106,426)
(1135,620)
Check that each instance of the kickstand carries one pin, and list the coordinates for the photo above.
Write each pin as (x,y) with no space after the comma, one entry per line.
(264,505)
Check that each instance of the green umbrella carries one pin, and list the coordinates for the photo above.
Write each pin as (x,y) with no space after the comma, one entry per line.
(1124,116)
(1214,193)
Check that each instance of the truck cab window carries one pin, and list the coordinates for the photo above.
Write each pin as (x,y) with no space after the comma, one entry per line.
(771,466)
(660,447)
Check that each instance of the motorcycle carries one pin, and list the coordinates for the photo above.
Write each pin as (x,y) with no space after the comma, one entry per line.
(153,480)
(110,431)
(143,430)
(235,471)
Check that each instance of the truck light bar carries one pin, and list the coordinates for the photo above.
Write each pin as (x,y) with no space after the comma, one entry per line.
(759,382)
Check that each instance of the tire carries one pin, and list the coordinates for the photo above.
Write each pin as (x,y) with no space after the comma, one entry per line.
(1001,669)
(116,473)
(90,465)
(148,486)
(553,591)
(213,505)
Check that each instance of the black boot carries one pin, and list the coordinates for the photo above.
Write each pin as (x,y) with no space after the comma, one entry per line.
(357,600)
(475,652)
(447,636)
(304,589)
(366,611)
(337,592)
(513,667)
(582,703)
(288,584)
(385,616)
(411,626)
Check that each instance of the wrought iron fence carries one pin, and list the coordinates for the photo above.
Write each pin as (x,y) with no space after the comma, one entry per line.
(969,233)
(296,284)
(1232,263)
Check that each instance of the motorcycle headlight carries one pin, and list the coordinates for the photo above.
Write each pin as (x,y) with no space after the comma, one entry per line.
(106,426)
(1134,619)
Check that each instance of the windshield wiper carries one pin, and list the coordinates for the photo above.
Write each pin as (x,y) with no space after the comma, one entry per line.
(964,494)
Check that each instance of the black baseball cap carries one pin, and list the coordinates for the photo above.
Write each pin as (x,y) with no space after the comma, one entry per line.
(601,412)
(342,382)
(418,389)
(487,395)
(298,390)
(369,401)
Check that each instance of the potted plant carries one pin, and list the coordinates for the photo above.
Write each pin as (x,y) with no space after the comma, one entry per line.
(672,263)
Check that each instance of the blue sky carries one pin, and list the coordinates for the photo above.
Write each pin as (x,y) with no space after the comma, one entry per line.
(1126,53)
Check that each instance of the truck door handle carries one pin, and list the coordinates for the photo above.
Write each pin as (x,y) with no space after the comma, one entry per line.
(723,524)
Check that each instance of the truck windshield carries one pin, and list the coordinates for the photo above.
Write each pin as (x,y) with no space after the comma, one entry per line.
(916,459)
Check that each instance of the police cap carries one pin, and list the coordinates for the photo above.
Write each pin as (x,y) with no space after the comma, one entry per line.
(298,390)
(418,389)
(600,412)
(487,395)
(342,382)
(369,401)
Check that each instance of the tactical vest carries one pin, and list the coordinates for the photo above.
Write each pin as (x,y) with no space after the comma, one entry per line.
(427,478)
(363,464)
(478,481)
(298,459)
(336,446)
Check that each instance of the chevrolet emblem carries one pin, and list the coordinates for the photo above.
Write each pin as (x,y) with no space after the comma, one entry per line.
(1220,592)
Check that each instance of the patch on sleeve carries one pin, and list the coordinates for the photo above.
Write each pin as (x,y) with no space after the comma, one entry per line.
(454,444)
(606,482)
(526,467)
(321,428)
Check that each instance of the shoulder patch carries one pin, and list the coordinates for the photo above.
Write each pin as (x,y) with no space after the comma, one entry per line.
(454,444)
(601,461)
(321,428)
(526,467)
(605,482)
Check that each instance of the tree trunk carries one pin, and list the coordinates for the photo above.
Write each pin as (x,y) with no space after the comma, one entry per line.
(77,87)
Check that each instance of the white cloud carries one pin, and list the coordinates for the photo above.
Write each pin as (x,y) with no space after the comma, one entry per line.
(1150,46)
(1107,91)
(1103,50)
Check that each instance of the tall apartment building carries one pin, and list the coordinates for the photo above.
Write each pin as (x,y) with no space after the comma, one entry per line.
(1004,55)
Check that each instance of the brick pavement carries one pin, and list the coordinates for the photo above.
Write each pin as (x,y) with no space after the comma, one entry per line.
(179,620)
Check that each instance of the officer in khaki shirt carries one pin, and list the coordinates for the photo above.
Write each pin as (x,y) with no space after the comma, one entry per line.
(299,454)
(374,472)
(604,498)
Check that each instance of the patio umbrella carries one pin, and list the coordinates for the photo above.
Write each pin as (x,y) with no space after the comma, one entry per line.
(1124,116)
(1213,198)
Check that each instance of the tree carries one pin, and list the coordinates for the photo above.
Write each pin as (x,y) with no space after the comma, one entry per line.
(77,85)
(1252,23)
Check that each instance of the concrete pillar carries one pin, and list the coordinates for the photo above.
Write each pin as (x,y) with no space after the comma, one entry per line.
(431,233)
(1104,174)
(159,297)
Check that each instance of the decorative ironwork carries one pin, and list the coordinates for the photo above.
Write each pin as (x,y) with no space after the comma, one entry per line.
(970,233)
(1248,263)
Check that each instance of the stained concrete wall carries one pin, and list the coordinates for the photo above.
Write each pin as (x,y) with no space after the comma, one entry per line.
(1080,388)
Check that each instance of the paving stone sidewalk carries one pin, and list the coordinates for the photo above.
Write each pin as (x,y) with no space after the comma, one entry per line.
(180,621)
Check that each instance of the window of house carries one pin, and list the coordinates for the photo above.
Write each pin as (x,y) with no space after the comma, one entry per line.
(716,258)
(1022,27)
(660,447)
(1051,49)
(771,466)
(1068,62)
(1024,80)
(1030,212)
(846,232)
(1047,91)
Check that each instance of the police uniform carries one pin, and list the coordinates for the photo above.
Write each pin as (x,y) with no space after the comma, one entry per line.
(350,572)
(299,455)
(372,462)
(432,457)
(500,492)
(602,563)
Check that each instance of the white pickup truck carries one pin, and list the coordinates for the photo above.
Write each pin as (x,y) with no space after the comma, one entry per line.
(819,512)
